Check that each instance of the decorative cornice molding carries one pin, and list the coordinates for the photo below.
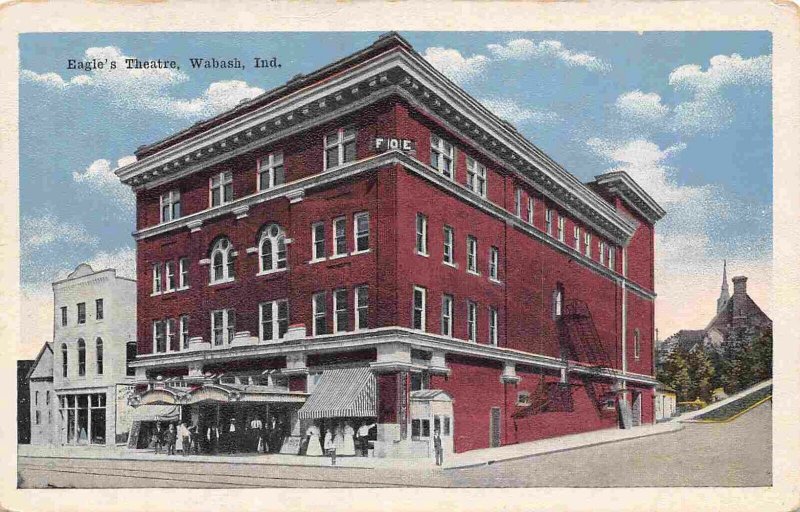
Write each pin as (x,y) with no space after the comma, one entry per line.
(620,184)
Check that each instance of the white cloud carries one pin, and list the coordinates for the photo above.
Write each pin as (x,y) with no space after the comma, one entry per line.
(526,49)
(147,89)
(636,107)
(514,112)
(455,66)
(100,177)
(37,232)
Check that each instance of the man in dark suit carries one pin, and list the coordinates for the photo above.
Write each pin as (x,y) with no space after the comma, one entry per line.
(437,447)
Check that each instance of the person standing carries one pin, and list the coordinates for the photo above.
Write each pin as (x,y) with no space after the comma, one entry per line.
(158,438)
(314,449)
(212,436)
(330,446)
(184,436)
(170,438)
(437,447)
(231,436)
(348,445)
(257,427)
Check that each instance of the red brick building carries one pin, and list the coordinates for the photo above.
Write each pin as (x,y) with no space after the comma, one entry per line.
(371,216)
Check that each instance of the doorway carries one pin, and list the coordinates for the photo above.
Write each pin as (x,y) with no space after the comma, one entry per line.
(637,408)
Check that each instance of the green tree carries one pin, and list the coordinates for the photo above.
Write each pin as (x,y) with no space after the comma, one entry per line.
(675,374)
(760,357)
(701,373)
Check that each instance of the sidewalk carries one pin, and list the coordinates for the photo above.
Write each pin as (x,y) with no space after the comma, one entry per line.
(453,461)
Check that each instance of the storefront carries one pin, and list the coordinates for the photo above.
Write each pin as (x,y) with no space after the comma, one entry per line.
(83,418)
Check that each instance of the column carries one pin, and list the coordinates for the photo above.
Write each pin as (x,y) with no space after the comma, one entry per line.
(297,372)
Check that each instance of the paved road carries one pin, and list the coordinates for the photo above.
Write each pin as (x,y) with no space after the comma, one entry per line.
(728,454)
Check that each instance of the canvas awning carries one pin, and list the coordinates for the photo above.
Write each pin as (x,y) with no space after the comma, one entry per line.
(156,413)
(343,393)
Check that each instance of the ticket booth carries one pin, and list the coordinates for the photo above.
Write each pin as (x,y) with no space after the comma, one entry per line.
(431,409)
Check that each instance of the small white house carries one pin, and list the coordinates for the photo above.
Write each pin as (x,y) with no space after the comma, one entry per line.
(666,403)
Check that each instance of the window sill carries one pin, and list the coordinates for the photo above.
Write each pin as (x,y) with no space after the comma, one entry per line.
(271,272)
(168,291)
(156,294)
(495,281)
(424,254)
(221,281)
(474,273)
(356,253)
(338,256)
(451,265)
(316,260)
(182,289)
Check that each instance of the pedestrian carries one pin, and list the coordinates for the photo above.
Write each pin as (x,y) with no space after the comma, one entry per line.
(212,436)
(437,447)
(170,438)
(330,446)
(314,449)
(256,427)
(183,436)
(231,436)
(157,438)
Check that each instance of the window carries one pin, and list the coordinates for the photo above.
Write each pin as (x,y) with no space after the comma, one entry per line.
(531,205)
(222,261)
(169,271)
(523,397)
(422,234)
(560,228)
(494,262)
(420,428)
(442,156)
(420,380)
(362,307)
(221,188)
(63,316)
(576,238)
(447,315)
(320,311)
(341,317)
(339,237)
(472,321)
(518,202)
(82,313)
(602,250)
(361,231)
(274,320)
(318,241)
(447,254)
(171,335)
(99,354)
(183,325)
(170,206)
(418,314)
(64,360)
(157,282)
(36,398)
(493,326)
(472,254)
(558,301)
(476,177)
(446,431)
(272,249)
(98,309)
(38,415)
(340,147)
(637,344)
(611,256)
(548,221)
(587,244)
(183,270)
(47,397)
(81,357)
(223,326)
(159,336)
(270,171)
(130,356)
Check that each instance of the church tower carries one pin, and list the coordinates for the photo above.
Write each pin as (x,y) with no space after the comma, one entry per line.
(723,293)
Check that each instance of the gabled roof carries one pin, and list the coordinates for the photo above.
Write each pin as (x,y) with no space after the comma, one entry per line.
(724,317)
(46,348)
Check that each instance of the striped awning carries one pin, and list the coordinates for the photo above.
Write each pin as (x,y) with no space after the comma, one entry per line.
(342,393)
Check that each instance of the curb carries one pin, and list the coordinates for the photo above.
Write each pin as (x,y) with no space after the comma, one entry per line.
(559,450)
(748,409)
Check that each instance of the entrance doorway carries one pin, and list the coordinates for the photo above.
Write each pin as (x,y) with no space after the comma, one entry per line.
(637,408)
(494,427)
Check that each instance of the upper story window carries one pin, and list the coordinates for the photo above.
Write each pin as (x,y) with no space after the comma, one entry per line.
(222,261)
(158,284)
(63,316)
(587,243)
(419,309)
(447,255)
(339,236)
(270,171)
(531,205)
(64,360)
(159,336)
(361,231)
(130,356)
(447,315)
(340,147)
(602,251)
(493,326)
(221,188)
(272,249)
(576,238)
(318,241)
(170,205)
(422,234)
(637,344)
(169,271)
(472,254)
(362,307)
(183,271)
(99,355)
(320,312)
(223,326)
(611,256)
(558,301)
(274,319)
(476,177)
(494,263)
(172,339)
(341,317)
(548,221)
(560,228)
(81,357)
(183,325)
(82,313)
(518,202)
(472,321)
(442,156)
(98,309)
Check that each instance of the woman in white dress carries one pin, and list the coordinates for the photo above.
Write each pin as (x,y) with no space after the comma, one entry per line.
(314,447)
(338,438)
(349,446)
(179,440)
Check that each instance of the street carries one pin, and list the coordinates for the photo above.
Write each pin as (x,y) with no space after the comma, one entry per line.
(724,454)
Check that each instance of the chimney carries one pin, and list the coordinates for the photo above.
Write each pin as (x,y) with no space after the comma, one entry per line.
(740,286)
(739,301)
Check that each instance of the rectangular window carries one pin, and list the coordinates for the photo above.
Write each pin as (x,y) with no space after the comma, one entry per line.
(442,156)
(494,262)
(472,254)
(560,228)
(611,256)
(169,270)
(318,241)
(447,254)
(82,313)
(221,186)
(576,238)
(170,206)
(472,321)
(518,202)
(171,335)
(548,221)
(184,327)
(587,244)
(637,344)
(183,270)
(320,312)
(602,250)
(447,315)
(341,317)
(362,307)
(157,283)
(274,317)
(422,234)
(361,231)
(493,326)
(476,177)
(160,336)
(418,314)
(339,237)
(530,210)
(63,315)
(223,326)
(270,171)
(340,147)
(98,309)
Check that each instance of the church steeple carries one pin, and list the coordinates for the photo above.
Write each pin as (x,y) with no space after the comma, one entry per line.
(724,295)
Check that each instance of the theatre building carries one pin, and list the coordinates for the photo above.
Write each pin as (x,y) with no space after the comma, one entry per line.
(367,244)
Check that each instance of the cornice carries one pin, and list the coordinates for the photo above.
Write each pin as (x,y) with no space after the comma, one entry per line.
(620,184)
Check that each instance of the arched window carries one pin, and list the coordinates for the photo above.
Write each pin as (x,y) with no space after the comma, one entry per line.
(558,300)
(64,360)
(81,357)
(272,249)
(99,352)
(222,261)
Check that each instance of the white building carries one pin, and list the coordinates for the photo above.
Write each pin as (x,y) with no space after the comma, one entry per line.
(42,400)
(94,319)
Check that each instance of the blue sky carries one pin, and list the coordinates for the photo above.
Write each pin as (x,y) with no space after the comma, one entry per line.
(687,114)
